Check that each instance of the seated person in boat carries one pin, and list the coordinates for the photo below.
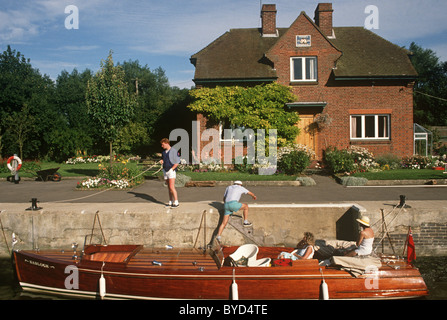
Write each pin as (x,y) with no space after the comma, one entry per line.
(305,249)
(365,240)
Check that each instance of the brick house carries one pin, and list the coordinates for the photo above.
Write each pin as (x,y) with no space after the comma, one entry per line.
(354,87)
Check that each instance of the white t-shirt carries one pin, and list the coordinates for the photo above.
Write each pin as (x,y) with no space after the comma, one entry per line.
(234,193)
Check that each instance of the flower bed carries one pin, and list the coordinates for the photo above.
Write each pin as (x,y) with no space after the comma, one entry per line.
(121,175)
(92,183)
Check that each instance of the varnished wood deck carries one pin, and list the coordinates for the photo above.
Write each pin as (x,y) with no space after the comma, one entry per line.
(191,274)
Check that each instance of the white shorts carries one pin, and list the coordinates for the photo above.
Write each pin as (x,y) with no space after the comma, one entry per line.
(171,174)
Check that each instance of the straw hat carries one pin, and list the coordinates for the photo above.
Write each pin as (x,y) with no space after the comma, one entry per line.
(238,182)
(364,221)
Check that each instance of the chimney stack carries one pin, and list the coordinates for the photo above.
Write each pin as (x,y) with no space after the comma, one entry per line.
(268,20)
(323,18)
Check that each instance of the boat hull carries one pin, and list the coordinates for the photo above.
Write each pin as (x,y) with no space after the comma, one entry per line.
(163,274)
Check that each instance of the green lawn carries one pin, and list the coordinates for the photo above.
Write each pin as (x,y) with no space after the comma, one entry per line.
(232,176)
(91,169)
(66,170)
(403,174)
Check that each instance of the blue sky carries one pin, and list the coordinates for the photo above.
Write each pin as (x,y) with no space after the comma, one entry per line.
(166,33)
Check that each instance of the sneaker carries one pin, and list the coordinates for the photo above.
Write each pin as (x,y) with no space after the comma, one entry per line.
(174,205)
(247,224)
(168,205)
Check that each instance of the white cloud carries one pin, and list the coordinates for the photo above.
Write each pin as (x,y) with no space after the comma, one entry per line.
(79,48)
(17,25)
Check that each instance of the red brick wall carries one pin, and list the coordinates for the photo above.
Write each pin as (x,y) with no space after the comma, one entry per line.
(323,18)
(346,95)
(392,98)
(268,16)
(342,97)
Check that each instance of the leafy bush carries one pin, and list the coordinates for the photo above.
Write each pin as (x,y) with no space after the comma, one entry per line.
(120,171)
(294,162)
(3,166)
(27,166)
(339,161)
(389,161)
(363,159)
(415,162)
(118,175)
(439,161)
(240,164)
(295,147)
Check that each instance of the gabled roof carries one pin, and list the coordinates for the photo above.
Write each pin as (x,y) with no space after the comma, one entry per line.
(309,20)
(237,54)
(366,55)
(240,55)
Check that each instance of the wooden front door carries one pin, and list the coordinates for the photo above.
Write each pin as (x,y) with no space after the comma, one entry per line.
(308,133)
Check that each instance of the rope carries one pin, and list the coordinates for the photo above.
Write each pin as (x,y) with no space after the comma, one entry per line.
(428,95)
(100,227)
(383,223)
(91,195)
(111,188)
(202,219)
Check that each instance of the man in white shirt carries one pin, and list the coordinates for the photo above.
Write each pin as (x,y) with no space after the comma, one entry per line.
(231,199)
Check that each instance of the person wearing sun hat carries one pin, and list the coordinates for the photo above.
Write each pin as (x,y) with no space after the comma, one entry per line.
(231,199)
(365,240)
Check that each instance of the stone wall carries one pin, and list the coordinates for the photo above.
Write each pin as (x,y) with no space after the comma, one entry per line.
(59,225)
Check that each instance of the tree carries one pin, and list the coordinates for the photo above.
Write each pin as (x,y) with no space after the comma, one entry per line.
(259,107)
(22,85)
(21,125)
(77,131)
(154,96)
(109,101)
(430,99)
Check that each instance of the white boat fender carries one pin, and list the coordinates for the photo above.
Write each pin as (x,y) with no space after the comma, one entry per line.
(234,289)
(324,289)
(102,284)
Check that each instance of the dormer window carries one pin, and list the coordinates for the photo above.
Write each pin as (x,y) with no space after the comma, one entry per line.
(303,69)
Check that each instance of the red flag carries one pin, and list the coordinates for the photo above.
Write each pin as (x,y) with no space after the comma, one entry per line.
(411,250)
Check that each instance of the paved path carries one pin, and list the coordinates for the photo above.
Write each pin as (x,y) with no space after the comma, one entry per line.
(153,191)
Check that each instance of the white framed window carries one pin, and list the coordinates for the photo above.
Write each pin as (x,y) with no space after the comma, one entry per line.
(370,126)
(230,132)
(303,69)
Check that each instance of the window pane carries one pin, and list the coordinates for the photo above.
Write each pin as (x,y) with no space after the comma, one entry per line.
(310,68)
(383,126)
(356,126)
(225,130)
(370,128)
(297,69)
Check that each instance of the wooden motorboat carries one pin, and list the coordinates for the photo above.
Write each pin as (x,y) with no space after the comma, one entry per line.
(134,272)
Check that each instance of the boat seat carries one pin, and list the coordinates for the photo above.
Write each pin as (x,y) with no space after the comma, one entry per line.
(246,255)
